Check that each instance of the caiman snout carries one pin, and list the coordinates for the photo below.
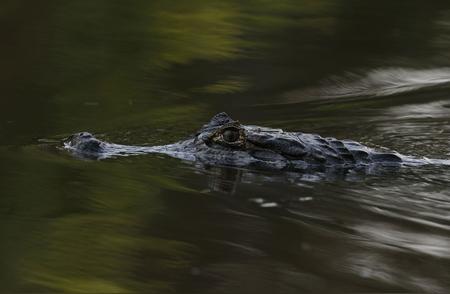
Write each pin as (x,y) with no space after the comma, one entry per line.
(84,142)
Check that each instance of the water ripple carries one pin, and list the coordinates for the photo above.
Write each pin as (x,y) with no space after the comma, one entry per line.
(375,83)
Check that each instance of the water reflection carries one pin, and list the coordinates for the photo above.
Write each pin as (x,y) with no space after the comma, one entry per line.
(422,126)
(158,224)
(151,73)
(84,237)
(378,82)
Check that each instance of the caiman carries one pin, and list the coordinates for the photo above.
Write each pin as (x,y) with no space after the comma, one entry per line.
(226,142)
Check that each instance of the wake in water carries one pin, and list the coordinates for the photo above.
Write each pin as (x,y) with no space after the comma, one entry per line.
(415,161)
(377,82)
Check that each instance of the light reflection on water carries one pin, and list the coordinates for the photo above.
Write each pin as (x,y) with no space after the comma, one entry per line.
(152,73)
(375,83)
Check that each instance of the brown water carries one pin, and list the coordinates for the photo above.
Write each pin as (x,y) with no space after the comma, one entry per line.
(152,72)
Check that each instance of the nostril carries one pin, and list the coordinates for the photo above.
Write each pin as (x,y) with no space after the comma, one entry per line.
(85,135)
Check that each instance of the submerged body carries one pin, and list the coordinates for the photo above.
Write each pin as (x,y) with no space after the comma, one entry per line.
(224,141)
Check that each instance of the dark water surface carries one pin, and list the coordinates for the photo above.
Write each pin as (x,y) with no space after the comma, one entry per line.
(152,72)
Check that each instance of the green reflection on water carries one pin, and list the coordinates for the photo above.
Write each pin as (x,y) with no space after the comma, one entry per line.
(109,66)
(80,226)
(103,64)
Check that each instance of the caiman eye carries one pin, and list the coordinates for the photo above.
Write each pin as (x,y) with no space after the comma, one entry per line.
(231,135)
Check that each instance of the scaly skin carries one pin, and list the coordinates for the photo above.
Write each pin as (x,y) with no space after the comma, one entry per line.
(224,141)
